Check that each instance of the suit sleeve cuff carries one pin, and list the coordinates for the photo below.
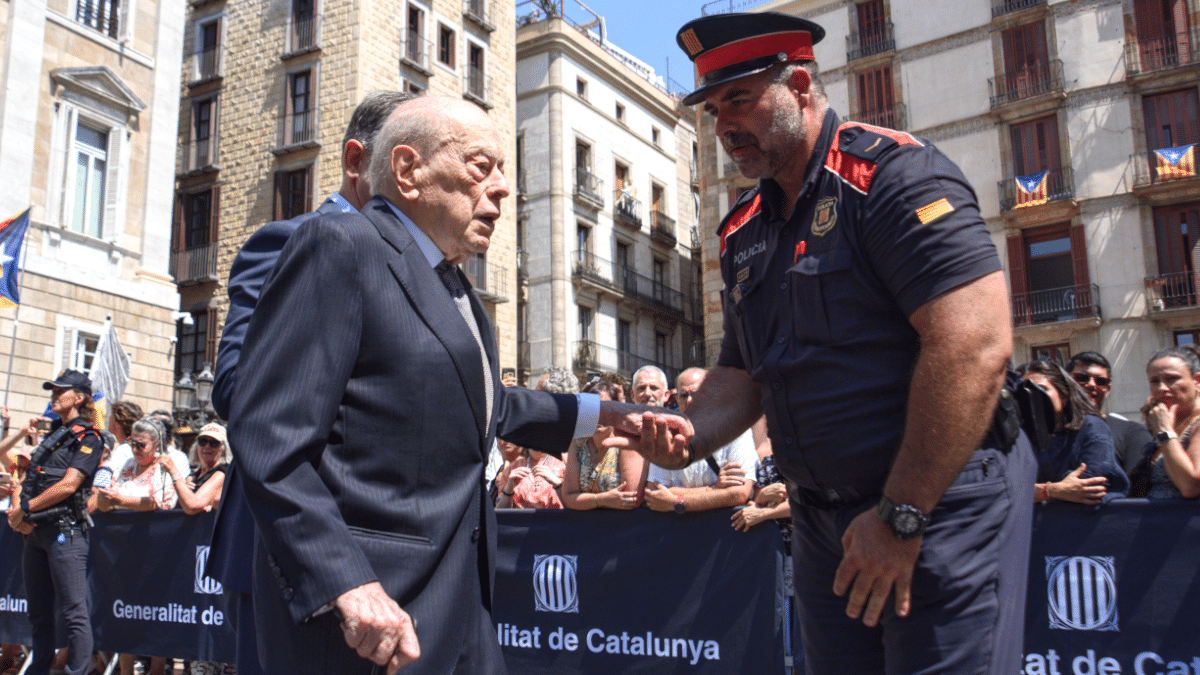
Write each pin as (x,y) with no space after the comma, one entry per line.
(589,415)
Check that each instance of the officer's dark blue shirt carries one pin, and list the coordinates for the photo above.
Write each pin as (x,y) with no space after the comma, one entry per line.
(81,451)
(817,301)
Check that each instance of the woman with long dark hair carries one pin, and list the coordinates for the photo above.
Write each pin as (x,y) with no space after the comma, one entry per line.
(1080,464)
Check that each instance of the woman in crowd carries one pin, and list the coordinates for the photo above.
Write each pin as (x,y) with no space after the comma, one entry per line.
(1171,414)
(531,481)
(142,484)
(210,457)
(1080,465)
(599,477)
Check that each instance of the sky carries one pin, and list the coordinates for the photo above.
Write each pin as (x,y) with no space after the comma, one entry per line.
(646,28)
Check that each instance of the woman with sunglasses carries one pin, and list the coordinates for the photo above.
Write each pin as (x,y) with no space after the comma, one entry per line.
(142,484)
(201,491)
(1080,464)
(1172,413)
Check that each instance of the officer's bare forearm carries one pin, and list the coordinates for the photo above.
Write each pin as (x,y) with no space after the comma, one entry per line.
(727,403)
(966,342)
(58,492)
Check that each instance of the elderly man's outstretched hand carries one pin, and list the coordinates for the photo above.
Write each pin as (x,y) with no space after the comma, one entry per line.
(659,434)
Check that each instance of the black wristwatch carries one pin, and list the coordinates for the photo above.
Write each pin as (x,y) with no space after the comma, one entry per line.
(906,521)
(680,507)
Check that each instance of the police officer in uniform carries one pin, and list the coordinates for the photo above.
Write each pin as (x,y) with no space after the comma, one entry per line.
(867,315)
(52,515)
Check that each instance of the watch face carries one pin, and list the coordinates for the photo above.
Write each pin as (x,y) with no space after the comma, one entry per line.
(906,522)
(679,507)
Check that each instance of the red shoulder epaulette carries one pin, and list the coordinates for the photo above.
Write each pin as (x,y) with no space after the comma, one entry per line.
(740,218)
(856,171)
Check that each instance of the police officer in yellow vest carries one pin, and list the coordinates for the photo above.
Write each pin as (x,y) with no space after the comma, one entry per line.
(52,514)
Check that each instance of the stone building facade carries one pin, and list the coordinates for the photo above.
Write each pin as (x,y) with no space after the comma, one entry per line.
(609,274)
(268,89)
(88,111)
(1064,115)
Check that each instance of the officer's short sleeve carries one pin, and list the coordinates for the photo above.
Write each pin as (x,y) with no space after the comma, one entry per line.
(731,352)
(922,228)
(86,457)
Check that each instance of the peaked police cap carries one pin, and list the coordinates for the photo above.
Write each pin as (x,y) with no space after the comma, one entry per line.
(726,47)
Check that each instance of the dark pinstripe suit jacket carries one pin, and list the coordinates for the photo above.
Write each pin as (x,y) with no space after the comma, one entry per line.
(360,430)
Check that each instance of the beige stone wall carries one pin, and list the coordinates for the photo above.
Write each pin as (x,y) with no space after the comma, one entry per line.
(145,332)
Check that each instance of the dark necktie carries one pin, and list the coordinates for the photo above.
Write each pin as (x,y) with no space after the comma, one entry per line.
(449,275)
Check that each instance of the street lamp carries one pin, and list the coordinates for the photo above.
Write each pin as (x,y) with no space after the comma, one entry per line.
(185,393)
(204,387)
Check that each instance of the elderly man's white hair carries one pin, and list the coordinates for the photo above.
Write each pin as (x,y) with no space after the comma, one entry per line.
(653,370)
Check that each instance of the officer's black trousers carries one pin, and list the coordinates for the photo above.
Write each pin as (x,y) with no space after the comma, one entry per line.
(58,564)
(968,588)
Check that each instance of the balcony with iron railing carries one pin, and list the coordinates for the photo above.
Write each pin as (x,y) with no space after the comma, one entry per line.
(298,129)
(590,355)
(1162,53)
(662,228)
(623,280)
(1172,291)
(1069,303)
(1002,7)
(1060,184)
(414,53)
(201,154)
(477,11)
(589,189)
(490,281)
(195,265)
(874,40)
(890,117)
(627,210)
(1027,83)
(475,85)
(206,65)
(1149,171)
(304,34)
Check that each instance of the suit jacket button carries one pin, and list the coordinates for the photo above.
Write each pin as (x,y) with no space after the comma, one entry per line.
(271,560)
(288,593)
(276,569)
(475,535)
(282,582)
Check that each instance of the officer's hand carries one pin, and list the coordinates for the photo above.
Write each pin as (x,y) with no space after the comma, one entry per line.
(875,560)
(375,626)
(660,435)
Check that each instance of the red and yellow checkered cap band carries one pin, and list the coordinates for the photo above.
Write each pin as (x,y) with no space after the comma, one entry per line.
(796,45)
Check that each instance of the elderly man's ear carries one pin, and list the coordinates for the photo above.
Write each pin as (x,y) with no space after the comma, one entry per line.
(406,166)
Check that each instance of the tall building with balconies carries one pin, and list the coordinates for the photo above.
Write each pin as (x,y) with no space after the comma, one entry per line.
(268,89)
(88,106)
(609,278)
(1077,124)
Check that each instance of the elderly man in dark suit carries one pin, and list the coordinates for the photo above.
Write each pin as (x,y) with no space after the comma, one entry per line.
(364,425)
(233,535)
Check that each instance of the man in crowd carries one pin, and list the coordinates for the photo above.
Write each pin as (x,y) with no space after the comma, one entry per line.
(558,380)
(363,429)
(650,386)
(722,480)
(867,315)
(233,534)
(1093,372)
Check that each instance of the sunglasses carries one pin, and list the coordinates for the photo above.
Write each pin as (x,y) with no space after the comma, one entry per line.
(209,442)
(1083,378)
(138,445)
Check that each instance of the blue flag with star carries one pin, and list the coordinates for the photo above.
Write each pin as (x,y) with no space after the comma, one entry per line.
(12,235)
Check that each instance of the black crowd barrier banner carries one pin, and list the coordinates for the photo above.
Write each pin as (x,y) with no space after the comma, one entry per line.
(636,592)
(1113,590)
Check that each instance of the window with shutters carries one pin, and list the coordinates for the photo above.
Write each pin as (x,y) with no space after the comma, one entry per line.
(1164,37)
(194,245)
(196,344)
(102,15)
(202,147)
(206,60)
(90,174)
(1049,275)
(1176,229)
(1027,67)
(876,101)
(293,193)
(1171,119)
(476,82)
(304,25)
(76,344)
(1035,148)
(874,31)
(300,108)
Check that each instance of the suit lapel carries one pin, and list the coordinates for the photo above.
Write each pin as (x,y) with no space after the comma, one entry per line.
(432,302)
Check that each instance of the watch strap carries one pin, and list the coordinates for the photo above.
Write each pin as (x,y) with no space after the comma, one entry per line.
(905,520)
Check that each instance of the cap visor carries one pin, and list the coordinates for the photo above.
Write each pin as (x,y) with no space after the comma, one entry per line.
(698,95)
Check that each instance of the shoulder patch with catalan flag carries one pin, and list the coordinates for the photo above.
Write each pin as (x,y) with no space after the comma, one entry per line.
(740,217)
(856,150)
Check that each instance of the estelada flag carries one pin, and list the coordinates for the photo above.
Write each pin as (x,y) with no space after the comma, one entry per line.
(1031,190)
(1177,162)
(12,235)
